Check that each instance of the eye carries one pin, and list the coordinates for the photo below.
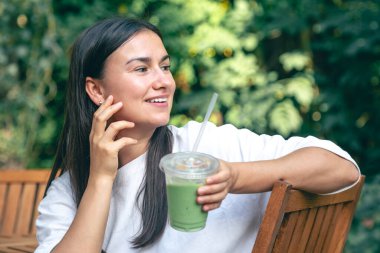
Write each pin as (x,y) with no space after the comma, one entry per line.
(141,69)
(166,68)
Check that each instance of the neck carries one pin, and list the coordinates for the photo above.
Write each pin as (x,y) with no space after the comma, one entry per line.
(131,152)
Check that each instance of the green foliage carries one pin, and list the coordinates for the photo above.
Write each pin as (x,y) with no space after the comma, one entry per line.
(349,79)
(294,60)
(28,47)
(284,117)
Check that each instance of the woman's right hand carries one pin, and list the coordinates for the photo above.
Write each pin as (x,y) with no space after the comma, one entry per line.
(86,232)
(104,148)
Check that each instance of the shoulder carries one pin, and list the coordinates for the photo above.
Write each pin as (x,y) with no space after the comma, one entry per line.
(56,212)
(192,128)
(61,184)
(189,132)
(59,198)
(225,141)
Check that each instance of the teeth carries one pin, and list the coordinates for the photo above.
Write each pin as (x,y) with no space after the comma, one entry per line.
(158,100)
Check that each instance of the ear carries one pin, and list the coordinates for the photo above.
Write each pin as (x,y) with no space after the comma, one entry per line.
(95,90)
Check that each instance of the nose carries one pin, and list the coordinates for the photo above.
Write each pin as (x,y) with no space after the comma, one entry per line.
(162,79)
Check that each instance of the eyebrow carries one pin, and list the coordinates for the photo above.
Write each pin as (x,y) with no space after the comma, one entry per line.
(147,59)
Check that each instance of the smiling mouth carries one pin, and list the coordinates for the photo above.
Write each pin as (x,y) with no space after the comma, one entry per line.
(157,100)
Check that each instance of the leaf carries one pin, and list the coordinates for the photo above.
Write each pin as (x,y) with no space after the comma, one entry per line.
(285,118)
(235,72)
(210,36)
(294,60)
(302,89)
(250,42)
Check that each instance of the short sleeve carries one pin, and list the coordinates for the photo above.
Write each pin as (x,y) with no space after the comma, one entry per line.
(242,145)
(56,213)
(276,146)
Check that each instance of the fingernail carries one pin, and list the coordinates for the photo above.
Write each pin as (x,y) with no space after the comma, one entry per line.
(109,97)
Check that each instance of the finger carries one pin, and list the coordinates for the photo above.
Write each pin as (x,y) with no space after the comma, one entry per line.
(97,124)
(104,105)
(219,177)
(100,119)
(212,189)
(210,207)
(122,142)
(115,127)
(107,113)
(213,198)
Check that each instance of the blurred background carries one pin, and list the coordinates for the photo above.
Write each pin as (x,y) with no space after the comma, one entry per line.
(280,67)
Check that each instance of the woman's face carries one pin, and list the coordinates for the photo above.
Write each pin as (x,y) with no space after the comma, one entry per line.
(138,74)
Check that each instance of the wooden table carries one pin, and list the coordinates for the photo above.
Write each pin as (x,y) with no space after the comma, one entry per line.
(18,244)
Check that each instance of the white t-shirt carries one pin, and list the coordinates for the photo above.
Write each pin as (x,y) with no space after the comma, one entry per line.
(230,228)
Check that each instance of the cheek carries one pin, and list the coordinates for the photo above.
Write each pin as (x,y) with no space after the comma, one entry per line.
(173,84)
(127,91)
(125,113)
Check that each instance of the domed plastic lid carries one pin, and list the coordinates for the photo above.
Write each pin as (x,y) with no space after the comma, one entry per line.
(190,165)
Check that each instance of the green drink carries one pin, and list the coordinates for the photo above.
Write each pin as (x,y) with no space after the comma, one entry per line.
(185,172)
(182,204)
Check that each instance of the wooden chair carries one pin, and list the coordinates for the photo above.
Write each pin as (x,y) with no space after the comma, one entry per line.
(20,193)
(296,221)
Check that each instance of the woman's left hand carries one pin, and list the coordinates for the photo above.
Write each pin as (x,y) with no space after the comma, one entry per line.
(217,187)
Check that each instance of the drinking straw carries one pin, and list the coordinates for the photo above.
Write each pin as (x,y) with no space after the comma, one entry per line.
(209,110)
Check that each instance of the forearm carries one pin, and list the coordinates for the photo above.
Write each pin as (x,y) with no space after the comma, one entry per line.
(310,169)
(87,230)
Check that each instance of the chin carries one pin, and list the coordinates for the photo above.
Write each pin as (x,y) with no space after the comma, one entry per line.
(162,123)
(159,122)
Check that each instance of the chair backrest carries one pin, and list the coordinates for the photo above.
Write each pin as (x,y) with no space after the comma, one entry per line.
(297,221)
(20,193)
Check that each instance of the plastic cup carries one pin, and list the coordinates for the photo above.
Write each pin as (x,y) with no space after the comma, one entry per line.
(185,172)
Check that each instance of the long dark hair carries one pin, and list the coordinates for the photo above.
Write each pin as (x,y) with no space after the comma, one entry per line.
(88,57)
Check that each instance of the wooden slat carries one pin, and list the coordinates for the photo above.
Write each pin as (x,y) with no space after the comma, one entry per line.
(3,192)
(340,233)
(275,211)
(18,243)
(24,221)
(11,209)
(11,176)
(307,230)
(29,247)
(286,232)
(24,248)
(314,235)
(298,231)
(8,250)
(300,200)
(17,240)
(330,210)
(332,228)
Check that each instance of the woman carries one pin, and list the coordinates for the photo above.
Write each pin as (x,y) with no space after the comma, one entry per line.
(112,195)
